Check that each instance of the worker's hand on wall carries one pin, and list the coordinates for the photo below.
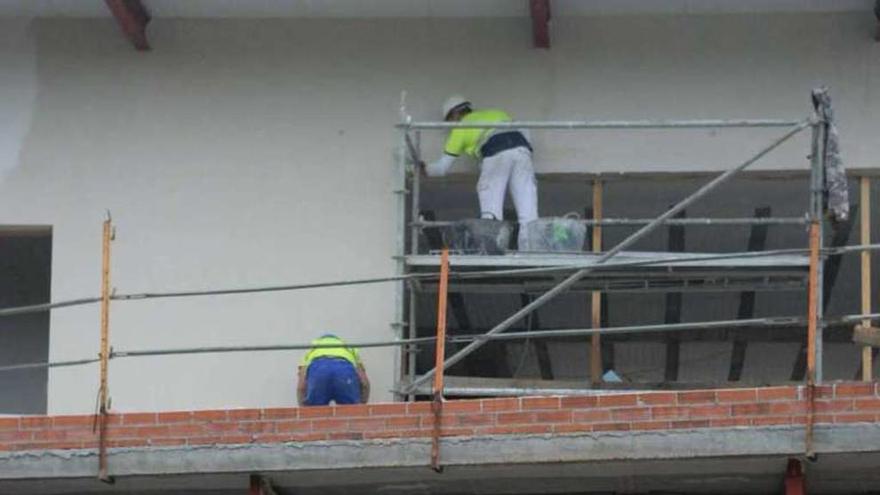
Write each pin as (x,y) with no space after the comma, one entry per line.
(365,383)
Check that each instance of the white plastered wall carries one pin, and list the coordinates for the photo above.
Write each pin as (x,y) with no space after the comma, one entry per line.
(250,152)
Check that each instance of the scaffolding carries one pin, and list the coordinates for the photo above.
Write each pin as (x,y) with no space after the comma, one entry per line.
(615,269)
(547,275)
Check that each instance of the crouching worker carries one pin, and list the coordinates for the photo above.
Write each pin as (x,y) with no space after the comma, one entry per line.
(332,371)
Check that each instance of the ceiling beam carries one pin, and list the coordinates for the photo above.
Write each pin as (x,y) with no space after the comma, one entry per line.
(540,10)
(133,18)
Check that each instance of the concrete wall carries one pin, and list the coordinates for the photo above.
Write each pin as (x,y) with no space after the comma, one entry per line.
(251,152)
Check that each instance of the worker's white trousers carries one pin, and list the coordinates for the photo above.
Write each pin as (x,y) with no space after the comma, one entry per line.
(509,169)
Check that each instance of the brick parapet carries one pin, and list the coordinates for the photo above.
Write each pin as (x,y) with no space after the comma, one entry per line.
(662,410)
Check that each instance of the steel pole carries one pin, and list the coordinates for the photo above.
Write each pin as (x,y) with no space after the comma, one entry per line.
(632,222)
(817,214)
(607,124)
(409,354)
(400,193)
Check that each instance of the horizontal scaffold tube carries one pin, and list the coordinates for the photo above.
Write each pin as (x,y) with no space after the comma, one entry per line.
(38,308)
(778,321)
(611,222)
(606,124)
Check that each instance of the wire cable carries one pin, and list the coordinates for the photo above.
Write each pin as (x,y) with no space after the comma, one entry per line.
(37,308)
(771,321)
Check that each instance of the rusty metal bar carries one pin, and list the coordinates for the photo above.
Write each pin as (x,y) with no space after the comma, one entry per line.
(814,292)
(103,396)
(813,301)
(440,357)
(812,321)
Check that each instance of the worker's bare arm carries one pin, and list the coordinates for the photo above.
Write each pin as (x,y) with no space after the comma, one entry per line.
(365,383)
(440,167)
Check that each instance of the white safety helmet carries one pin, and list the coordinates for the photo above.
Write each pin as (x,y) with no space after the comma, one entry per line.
(453,103)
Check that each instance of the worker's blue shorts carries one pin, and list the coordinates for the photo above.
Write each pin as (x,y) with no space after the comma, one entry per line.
(329,379)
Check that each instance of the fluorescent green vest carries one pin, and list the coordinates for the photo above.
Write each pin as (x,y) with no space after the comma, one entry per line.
(468,141)
(342,351)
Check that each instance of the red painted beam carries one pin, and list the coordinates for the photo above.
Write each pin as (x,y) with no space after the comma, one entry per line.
(254,487)
(132,18)
(794,478)
(540,10)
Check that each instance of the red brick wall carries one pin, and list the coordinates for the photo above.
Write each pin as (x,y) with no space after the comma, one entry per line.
(840,403)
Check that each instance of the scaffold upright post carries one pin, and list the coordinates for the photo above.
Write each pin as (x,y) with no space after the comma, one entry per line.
(814,292)
(440,357)
(596,296)
(865,228)
(103,395)
(817,209)
(409,353)
(400,194)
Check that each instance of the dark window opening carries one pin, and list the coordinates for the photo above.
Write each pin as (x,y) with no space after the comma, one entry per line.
(25,278)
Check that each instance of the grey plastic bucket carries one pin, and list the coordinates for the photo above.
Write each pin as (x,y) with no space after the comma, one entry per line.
(554,234)
(478,236)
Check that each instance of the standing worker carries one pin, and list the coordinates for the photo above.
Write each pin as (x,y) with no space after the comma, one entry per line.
(506,161)
(332,371)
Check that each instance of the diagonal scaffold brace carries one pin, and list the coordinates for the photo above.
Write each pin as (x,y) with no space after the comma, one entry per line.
(629,241)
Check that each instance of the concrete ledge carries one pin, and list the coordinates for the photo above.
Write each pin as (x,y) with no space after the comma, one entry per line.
(456,451)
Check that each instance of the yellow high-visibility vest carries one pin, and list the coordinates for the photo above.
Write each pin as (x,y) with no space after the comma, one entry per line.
(340,350)
(468,141)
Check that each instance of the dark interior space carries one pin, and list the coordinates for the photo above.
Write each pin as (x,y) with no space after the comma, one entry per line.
(748,356)
(25,277)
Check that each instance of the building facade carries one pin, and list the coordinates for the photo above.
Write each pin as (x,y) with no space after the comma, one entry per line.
(253,149)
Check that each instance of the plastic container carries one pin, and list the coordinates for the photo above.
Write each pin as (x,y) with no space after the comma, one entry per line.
(554,234)
(478,236)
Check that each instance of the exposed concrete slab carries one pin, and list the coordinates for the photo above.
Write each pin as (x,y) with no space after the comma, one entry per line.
(831,474)
(400,453)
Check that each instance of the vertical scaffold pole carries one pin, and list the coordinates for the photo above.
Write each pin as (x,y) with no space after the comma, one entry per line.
(865,203)
(596,296)
(409,353)
(400,193)
(814,293)
(103,396)
(440,357)
(817,187)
